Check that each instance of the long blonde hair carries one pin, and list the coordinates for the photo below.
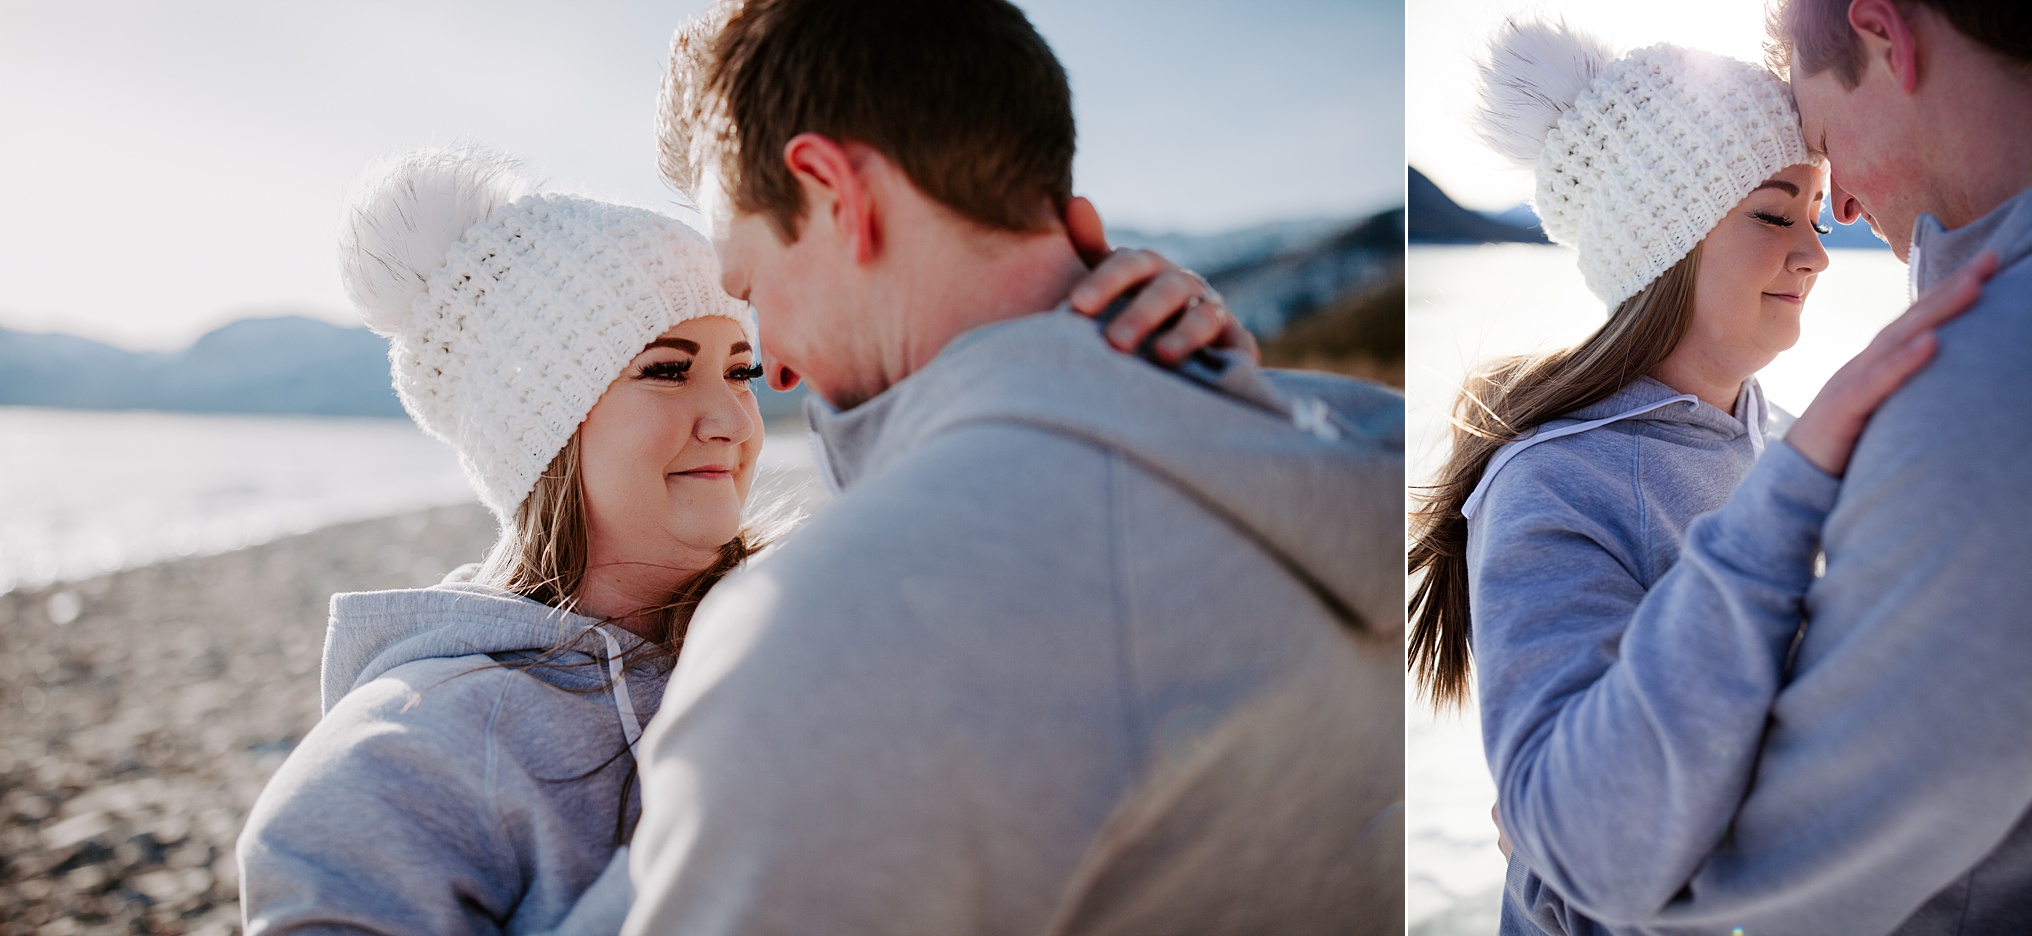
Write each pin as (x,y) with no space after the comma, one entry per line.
(1502,401)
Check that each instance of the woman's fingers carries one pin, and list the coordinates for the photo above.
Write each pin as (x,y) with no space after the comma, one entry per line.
(1942,302)
(1873,376)
(1174,310)
(1166,295)
(1239,338)
(1122,271)
(1201,325)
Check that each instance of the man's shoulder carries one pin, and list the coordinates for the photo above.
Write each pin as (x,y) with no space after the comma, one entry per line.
(1973,396)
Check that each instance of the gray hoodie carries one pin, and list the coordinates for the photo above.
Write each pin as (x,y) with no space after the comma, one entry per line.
(446,792)
(1568,530)
(1890,790)
(1052,575)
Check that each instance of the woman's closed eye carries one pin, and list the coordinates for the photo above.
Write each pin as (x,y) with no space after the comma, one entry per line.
(745,374)
(1779,220)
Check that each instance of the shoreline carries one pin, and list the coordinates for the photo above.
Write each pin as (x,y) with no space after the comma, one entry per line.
(139,731)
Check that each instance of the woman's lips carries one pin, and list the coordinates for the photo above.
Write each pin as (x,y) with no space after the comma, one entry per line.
(1794,298)
(706,473)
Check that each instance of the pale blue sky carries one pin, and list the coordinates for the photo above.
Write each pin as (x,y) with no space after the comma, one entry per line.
(171,167)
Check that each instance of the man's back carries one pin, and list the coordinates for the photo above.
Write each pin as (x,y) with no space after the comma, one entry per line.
(919,714)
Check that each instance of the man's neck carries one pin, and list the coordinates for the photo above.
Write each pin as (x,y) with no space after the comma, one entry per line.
(948,282)
(1982,150)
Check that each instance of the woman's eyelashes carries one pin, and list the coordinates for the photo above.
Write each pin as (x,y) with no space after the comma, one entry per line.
(677,372)
(666,371)
(1779,220)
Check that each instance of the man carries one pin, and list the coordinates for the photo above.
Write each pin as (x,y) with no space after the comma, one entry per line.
(1070,617)
(1893,789)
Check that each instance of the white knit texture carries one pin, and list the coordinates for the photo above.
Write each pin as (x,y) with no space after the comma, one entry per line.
(1661,145)
(534,311)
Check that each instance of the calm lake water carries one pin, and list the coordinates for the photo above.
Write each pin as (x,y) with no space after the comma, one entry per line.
(1464,306)
(85,492)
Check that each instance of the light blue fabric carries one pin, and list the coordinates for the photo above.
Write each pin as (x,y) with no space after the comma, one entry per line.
(444,792)
(1573,535)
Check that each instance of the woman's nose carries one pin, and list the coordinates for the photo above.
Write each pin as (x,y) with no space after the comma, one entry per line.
(1810,256)
(725,418)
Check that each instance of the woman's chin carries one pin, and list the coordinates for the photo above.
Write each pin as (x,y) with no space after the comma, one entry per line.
(705,531)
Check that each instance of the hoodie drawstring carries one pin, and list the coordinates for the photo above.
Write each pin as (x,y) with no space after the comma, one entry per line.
(1754,409)
(631,725)
(1474,501)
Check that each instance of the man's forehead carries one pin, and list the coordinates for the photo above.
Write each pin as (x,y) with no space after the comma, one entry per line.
(1812,118)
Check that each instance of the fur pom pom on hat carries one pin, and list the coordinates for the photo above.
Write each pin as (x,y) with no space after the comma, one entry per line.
(1637,157)
(509,311)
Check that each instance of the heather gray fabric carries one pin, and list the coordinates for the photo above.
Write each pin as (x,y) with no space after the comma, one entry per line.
(1571,535)
(1890,791)
(443,792)
(1052,570)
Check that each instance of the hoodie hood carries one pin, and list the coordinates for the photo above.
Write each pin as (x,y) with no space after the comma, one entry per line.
(1937,253)
(1646,400)
(374,632)
(1309,466)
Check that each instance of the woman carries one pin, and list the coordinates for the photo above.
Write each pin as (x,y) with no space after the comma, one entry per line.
(473,771)
(1682,180)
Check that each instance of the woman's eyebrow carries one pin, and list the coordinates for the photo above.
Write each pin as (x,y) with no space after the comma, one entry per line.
(688,347)
(739,346)
(1785,186)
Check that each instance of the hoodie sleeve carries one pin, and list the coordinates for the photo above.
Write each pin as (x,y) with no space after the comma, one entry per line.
(1621,725)
(382,820)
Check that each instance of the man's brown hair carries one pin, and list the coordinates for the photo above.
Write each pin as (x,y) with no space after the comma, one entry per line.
(963,95)
(1807,37)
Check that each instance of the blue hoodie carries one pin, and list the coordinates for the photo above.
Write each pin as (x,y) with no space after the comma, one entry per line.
(1890,789)
(445,792)
(1568,530)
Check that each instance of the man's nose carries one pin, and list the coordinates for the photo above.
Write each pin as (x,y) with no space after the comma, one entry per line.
(1844,206)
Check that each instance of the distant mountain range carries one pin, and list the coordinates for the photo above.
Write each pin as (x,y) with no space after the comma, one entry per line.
(265,365)
(1270,275)
(1275,274)
(1438,219)
(1269,293)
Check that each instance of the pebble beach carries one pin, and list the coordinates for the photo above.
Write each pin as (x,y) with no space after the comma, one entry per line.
(144,710)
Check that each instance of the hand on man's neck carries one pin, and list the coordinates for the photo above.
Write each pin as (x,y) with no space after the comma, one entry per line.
(903,274)
(944,275)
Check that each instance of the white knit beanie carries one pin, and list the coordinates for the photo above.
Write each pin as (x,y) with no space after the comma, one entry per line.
(511,312)
(1639,157)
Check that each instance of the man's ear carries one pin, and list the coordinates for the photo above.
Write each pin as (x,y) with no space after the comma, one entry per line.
(1886,36)
(835,193)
